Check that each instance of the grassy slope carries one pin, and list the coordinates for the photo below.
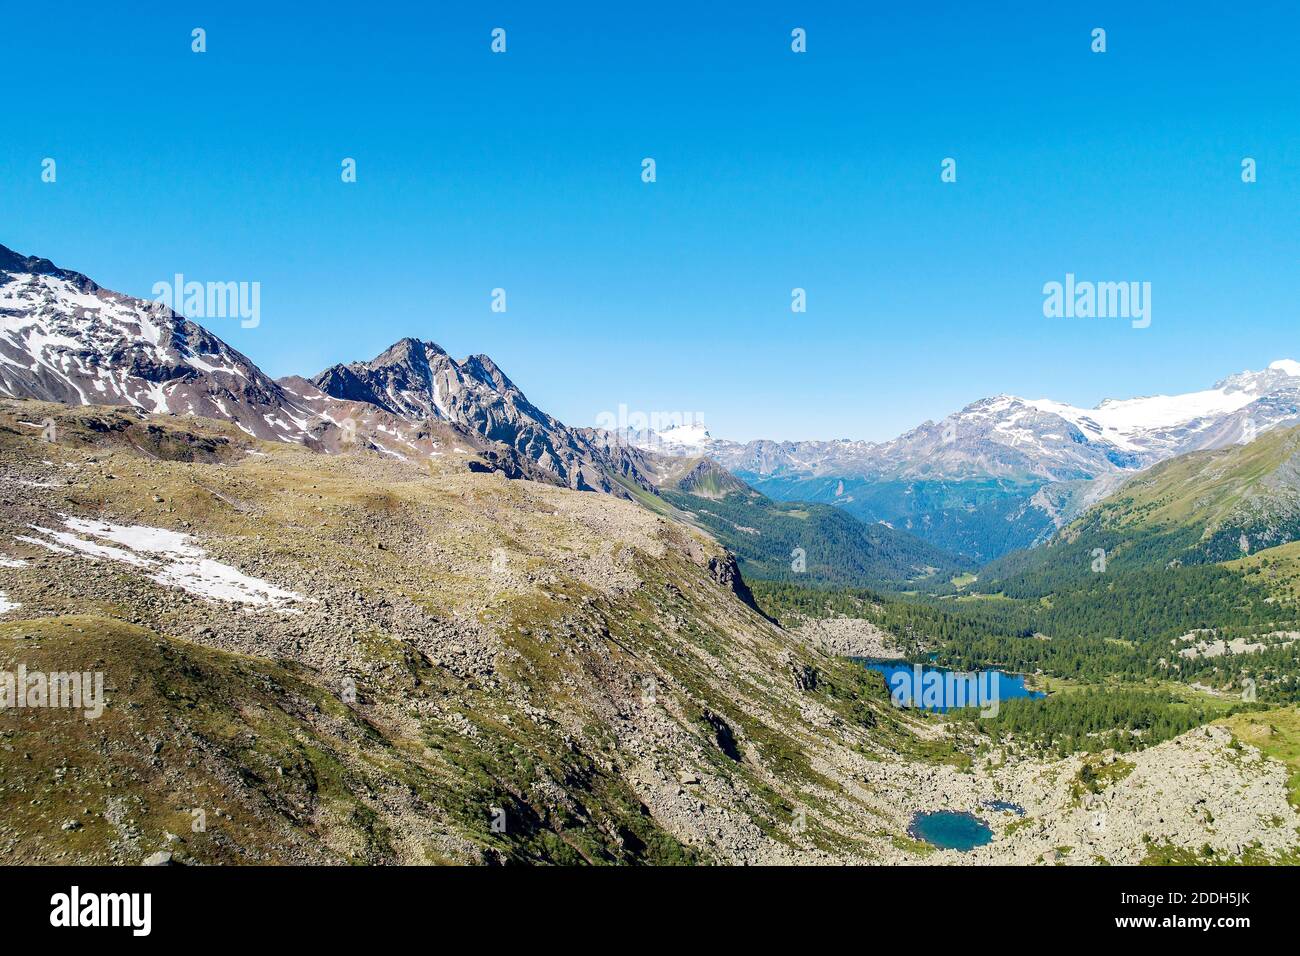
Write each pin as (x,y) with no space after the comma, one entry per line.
(1277,570)
(1193,509)
(184,723)
(541,716)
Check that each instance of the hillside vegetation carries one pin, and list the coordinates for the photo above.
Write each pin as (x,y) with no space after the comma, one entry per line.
(474,669)
(797,541)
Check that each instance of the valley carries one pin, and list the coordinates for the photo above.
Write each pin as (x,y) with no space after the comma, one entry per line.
(1004,473)
(604,690)
(394,612)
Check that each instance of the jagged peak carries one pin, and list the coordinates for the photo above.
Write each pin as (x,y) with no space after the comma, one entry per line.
(476,364)
(405,351)
(16,262)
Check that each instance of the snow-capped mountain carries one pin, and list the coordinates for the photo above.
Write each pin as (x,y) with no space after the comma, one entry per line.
(1235,410)
(1010,437)
(694,436)
(63,338)
(1005,472)
(686,439)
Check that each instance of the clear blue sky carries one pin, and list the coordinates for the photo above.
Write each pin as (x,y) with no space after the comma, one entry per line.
(775,170)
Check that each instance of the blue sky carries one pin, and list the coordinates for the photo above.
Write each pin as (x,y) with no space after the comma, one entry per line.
(775,170)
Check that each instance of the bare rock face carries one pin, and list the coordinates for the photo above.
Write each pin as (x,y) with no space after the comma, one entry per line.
(418,381)
(726,572)
(847,637)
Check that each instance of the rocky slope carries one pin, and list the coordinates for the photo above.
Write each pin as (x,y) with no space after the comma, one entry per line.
(65,339)
(392,666)
(450,649)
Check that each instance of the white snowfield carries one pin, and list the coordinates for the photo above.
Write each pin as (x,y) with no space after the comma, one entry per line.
(677,440)
(1125,422)
(1134,424)
(44,324)
(694,435)
(7,605)
(166,557)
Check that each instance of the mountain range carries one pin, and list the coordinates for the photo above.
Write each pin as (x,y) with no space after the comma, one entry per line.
(1003,473)
(64,338)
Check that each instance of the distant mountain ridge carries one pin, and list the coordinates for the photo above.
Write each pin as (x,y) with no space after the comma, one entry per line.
(799,542)
(1005,472)
(1010,437)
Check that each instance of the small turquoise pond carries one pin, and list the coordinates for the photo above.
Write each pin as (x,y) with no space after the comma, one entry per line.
(950,830)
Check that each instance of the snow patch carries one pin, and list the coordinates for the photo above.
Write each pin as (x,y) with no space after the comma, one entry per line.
(695,435)
(168,557)
(29,483)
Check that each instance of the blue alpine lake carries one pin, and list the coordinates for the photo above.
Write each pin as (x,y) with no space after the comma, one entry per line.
(940,689)
(950,830)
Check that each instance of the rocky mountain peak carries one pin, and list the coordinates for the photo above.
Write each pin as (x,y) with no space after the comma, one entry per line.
(408,351)
(419,381)
(65,339)
(16,264)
